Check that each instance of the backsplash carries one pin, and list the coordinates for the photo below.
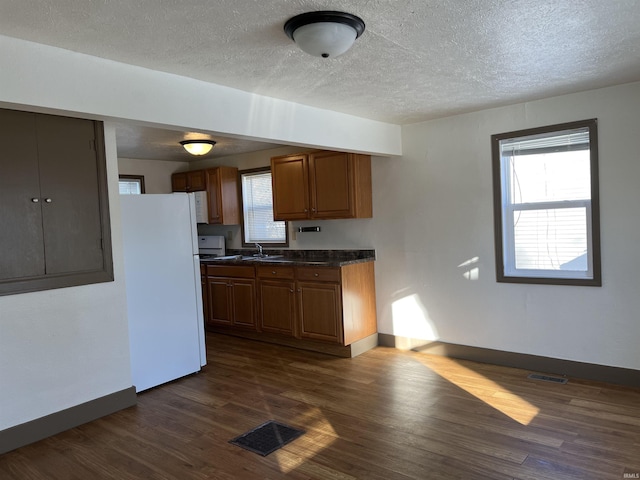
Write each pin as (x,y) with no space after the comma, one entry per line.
(335,234)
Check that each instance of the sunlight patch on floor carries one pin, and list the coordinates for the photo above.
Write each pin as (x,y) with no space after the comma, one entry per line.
(484,389)
(320,434)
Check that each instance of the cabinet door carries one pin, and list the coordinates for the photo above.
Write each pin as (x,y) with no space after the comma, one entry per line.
(320,311)
(205,296)
(244,301)
(54,213)
(179,182)
(188,181)
(214,195)
(68,185)
(196,181)
(219,301)
(332,185)
(277,307)
(290,180)
(229,196)
(21,236)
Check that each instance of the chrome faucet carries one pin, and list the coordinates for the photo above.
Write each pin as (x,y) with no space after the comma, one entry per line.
(259,247)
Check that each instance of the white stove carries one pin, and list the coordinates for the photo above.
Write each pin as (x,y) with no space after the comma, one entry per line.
(211,246)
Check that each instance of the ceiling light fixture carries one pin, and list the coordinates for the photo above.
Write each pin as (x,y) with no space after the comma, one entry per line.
(198,147)
(324,34)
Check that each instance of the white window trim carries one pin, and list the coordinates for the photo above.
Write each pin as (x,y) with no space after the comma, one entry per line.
(251,242)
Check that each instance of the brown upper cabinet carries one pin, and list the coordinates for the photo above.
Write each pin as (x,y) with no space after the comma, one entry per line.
(321,185)
(223,195)
(188,181)
(221,185)
(53,192)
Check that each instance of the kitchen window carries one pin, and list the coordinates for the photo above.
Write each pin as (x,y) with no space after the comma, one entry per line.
(131,184)
(258,225)
(546,207)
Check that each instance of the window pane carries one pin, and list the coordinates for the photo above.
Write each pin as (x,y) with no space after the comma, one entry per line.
(129,187)
(551,239)
(131,184)
(550,177)
(257,201)
(548,142)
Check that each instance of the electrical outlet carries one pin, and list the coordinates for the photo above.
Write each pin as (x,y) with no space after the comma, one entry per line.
(229,235)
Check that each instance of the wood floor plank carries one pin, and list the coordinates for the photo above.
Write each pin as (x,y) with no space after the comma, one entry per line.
(383,415)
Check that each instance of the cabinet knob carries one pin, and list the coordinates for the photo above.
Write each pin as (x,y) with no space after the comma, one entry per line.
(274,272)
(291,290)
(35,200)
(48,200)
(316,274)
(305,210)
(313,209)
(299,290)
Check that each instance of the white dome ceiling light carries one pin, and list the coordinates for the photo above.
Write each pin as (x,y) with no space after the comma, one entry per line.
(198,147)
(324,34)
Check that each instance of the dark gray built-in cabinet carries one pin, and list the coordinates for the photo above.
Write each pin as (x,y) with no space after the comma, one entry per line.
(54,214)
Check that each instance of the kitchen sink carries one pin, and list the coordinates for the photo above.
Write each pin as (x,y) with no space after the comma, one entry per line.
(267,258)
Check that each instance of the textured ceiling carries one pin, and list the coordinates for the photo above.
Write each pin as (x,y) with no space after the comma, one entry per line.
(159,144)
(417,59)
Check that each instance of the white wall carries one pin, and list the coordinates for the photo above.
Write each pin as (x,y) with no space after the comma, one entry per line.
(436,207)
(432,230)
(63,347)
(157,173)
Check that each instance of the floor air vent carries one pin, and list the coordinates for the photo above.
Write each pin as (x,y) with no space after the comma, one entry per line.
(267,438)
(546,378)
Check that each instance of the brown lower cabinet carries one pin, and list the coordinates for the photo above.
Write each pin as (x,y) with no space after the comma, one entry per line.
(291,305)
(320,311)
(205,295)
(310,307)
(277,300)
(230,294)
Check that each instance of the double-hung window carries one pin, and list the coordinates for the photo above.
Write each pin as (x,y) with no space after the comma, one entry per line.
(131,184)
(546,208)
(257,208)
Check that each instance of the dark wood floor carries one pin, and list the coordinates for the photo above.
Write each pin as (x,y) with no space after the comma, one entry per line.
(386,415)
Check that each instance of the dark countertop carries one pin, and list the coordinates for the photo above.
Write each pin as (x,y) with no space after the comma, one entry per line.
(326,258)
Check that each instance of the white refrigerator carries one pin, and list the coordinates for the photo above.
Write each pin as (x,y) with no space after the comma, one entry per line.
(164,296)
